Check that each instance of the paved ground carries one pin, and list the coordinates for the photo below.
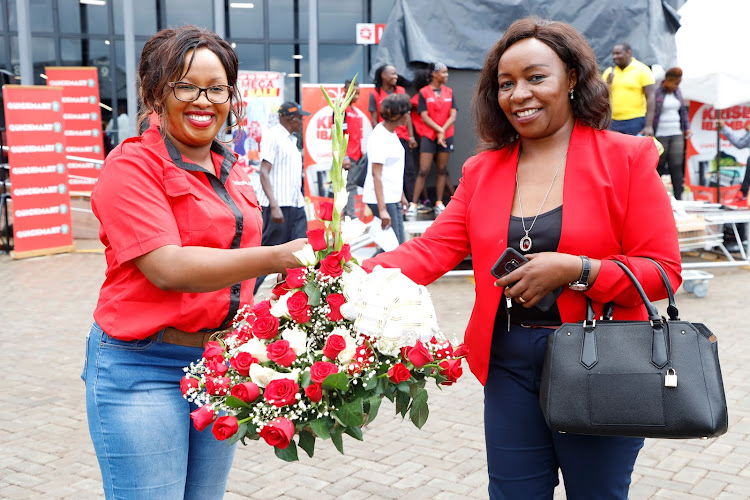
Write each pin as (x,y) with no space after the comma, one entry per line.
(46,452)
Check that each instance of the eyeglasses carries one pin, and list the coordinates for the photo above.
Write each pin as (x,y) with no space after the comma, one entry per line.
(187,92)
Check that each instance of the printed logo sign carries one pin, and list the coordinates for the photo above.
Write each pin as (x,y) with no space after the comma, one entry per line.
(82,123)
(38,175)
(369,33)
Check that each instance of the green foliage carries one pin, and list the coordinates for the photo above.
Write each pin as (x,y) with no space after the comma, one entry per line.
(337,439)
(288,454)
(351,414)
(313,293)
(307,442)
(419,411)
(338,381)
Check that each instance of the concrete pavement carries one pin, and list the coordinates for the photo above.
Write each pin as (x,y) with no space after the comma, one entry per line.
(46,451)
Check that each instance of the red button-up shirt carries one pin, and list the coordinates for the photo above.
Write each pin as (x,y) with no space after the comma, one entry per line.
(149,196)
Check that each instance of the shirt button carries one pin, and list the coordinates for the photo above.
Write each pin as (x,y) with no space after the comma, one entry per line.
(239,225)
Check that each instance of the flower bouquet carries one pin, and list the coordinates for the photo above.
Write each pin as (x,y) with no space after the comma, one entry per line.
(316,360)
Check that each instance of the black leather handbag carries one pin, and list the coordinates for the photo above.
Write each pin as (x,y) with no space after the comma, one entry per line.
(658,378)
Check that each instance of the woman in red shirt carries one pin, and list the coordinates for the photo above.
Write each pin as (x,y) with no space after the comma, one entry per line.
(438,112)
(181,228)
(551,182)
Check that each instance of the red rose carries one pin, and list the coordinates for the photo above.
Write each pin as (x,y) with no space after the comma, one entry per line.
(279,290)
(451,369)
(363,354)
(335,301)
(217,368)
(331,265)
(334,345)
(461,351)
(218,386)
(247,392)
(321,369)
(399,373)
(445,352)
(317,239)
(202,417)
(266,327)
(314,392)
(262,308)
(419,355)
(326,210)
(346,253)
(281,392)
(243,333)
(213,350)
(296,278)
(278,432)
(354,368)
(241,362)
(279,352)
(225,427)
(188,384)
(298,308)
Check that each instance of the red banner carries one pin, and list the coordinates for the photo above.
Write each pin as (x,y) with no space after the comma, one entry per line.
(317,132)
(700,164)
(82,123)
(39,188)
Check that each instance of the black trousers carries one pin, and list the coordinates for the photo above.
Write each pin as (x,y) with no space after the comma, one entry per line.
(293,227)
(672,161)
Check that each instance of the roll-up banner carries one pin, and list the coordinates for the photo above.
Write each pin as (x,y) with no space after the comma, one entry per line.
(38,176)
(82,123)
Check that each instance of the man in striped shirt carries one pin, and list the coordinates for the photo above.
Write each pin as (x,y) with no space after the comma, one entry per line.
(282,201)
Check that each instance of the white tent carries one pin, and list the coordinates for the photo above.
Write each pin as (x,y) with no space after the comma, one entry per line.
(712,45)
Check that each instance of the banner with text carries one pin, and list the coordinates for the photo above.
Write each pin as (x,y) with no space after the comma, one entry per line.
(700,171)
(38,177)
(262,93)
(317,134)
(82,123)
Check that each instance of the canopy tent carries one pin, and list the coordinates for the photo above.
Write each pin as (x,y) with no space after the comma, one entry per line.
(460,33)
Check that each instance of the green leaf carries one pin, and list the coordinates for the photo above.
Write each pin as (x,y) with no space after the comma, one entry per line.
(241,430)
(233,402)
(288,454)
(338,442)
(402,403)
(355,432)
(338,381)
(413,390)
(369,384)
(313,293)
(351,414)
(307,442)
(321,428)
(404,387)
(304,379)
(419,411)
(372,411)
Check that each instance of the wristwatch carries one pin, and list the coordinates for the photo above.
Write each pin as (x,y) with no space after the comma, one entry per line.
(582,284)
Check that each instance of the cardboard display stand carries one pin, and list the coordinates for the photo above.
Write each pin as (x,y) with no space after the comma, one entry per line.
(38,176)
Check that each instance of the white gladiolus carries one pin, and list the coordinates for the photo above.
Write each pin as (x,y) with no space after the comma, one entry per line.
(340,199)
(257,348)
(306,256)
(279,307)
(351,228)
(297,340)
(261,375)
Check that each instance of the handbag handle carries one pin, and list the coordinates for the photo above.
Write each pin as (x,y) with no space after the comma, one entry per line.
(672,311)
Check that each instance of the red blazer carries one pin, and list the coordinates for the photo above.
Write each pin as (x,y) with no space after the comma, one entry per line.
(615,207)
(402,132)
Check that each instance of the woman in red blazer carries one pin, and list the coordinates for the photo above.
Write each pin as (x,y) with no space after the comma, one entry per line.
(552,182)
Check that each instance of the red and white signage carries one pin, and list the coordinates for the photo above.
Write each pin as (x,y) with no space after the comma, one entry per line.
(369,33)
(38,176)
(82,123)
(700,174)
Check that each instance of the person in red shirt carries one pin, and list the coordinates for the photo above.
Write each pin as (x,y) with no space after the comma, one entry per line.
(385,80)
(181,228)
(438,111)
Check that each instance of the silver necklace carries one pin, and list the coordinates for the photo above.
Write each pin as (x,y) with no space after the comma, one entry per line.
(525,243)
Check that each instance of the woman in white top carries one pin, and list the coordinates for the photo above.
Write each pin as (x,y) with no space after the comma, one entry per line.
(383,189)
(671,128)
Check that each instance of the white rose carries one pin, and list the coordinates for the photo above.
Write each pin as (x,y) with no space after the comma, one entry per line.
(306,256)
(297,340)
(349,351)
(261,375)
(294,375)
(257,348)
(349,311)
(351,229)
(279,307)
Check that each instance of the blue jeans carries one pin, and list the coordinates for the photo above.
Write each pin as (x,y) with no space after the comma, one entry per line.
(145,442)
(630,127)
(523,454)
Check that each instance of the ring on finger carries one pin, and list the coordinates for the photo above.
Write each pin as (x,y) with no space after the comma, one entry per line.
(521,300)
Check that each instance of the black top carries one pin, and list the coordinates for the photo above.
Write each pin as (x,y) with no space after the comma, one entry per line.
(545,237)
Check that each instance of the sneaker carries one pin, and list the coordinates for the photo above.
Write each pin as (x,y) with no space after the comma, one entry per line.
(439,207)
(412,210)
(739,200)
(423,209)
